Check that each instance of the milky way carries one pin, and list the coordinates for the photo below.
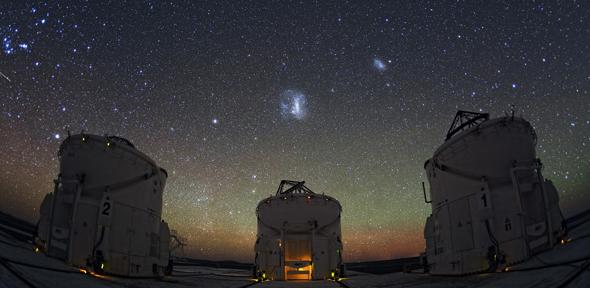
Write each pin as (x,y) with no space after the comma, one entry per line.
(209,91)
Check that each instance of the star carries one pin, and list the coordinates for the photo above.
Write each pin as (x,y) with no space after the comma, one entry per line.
(296,103)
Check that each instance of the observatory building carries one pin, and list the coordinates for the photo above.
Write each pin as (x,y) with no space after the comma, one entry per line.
(105,211)
(491,206)
(299,235)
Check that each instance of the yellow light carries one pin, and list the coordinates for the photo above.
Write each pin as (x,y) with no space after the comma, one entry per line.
(332,274)
(102,265)
(263,276)
(36,249)
(97,275)
(84,271)
(562,241)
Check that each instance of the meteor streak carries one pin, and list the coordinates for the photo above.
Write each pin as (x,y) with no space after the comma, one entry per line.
(5,77)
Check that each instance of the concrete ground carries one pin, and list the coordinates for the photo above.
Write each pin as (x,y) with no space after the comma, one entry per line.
(21,266)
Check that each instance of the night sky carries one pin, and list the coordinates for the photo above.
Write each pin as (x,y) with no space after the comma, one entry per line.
(231,97)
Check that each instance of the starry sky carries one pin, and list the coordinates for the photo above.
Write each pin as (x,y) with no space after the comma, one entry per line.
(233,96)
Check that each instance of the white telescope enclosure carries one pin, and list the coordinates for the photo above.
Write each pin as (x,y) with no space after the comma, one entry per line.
(105,211)
(491,205)
(299,235)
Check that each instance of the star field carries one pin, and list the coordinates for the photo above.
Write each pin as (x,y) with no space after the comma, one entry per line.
(233,96)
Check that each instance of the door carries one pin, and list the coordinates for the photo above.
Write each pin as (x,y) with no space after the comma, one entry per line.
(322,257)
(119,238)
(83,234)
(297,259)
(461,227)
(61,219)
(534,210)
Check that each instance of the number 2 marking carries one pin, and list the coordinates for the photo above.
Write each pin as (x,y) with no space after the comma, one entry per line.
(106,208)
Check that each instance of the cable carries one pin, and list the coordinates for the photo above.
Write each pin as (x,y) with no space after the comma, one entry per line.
(12,244)
(248,285)
(496,258)
(200,275)
(342,284)
(575,275)
(190,274)
(2,259)
(491,235)
(579,237)
(549,265)
(99,240)
(15,236)
(17,273)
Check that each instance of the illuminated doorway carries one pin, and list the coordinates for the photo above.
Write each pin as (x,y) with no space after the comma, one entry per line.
(298,264)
